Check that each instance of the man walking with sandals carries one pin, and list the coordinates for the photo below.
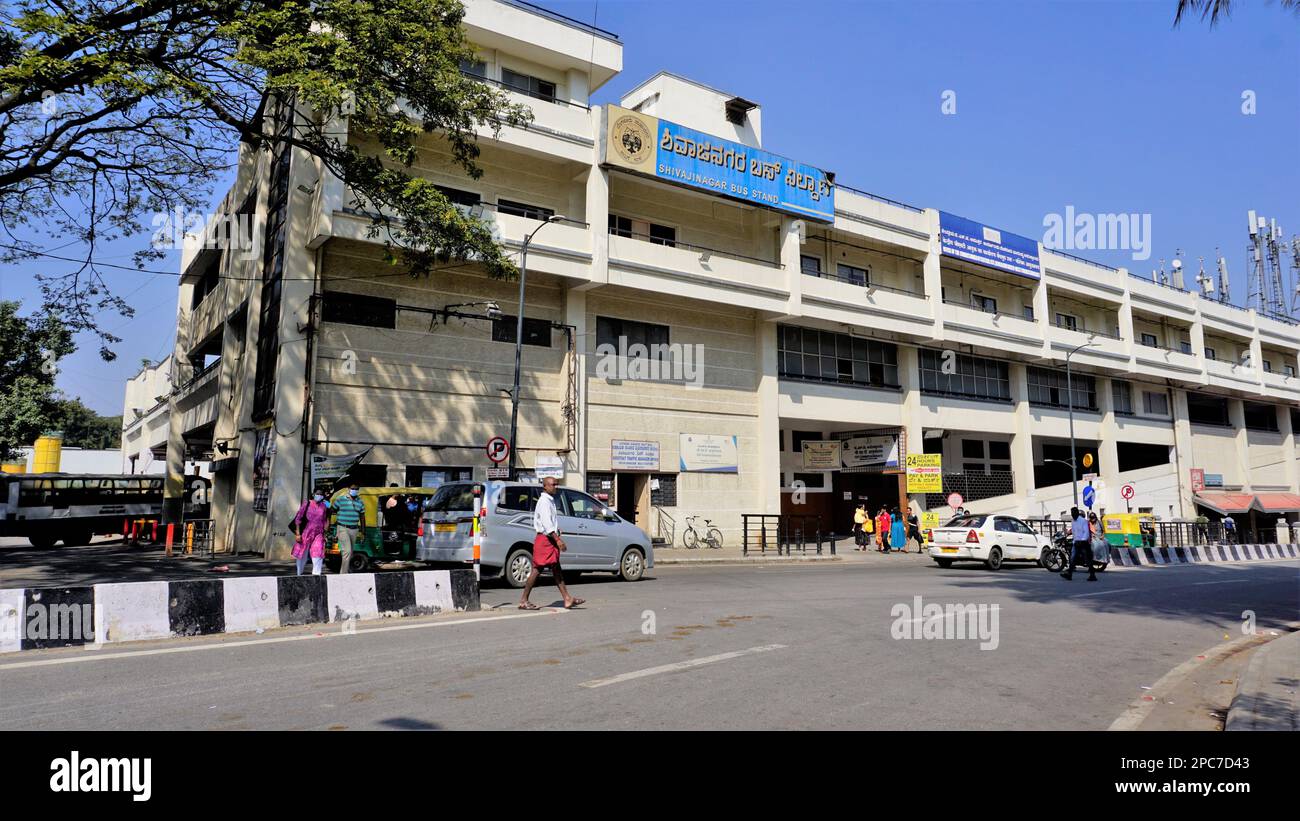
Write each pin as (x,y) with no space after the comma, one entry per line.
(548,544)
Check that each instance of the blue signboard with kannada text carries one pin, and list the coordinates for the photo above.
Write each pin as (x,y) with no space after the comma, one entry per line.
(674,153)
(978,243)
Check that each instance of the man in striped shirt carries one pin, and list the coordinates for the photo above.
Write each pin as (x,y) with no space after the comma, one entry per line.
(350,522)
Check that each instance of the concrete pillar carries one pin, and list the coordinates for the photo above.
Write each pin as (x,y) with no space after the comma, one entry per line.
(597,217)
(174,486)
(1292,467)
(909,375)
(1126,319)
(1184,458)
(1237,418)
(575,314)
(932,275)
(1108,446)
(769,419)
(1022,438)
(790,248)
(288,479)
(579,90)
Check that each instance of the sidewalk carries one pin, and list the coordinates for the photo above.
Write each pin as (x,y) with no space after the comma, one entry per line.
(1268,695)
(732,555)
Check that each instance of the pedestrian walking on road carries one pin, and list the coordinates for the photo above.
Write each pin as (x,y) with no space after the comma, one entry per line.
(1230,529)
(350,523)
(914,532)
(898,532)
(1081,535)
(548,544)
(309,530)
(882,530)
(859,527)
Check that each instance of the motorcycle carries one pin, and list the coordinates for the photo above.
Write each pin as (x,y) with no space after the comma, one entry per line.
(1055,557)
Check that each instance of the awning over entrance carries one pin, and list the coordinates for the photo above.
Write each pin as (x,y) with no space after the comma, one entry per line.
(1277,502)
(1225,503)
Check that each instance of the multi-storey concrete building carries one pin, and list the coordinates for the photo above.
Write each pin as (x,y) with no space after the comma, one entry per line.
(796,310)
(144,419)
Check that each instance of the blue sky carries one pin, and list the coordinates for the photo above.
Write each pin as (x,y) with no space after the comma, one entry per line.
(1099,105)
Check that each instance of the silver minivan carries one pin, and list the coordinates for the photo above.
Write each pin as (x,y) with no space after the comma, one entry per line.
(597,539)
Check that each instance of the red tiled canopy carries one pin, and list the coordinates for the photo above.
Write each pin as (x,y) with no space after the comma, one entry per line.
(1277,502)
(1225,503)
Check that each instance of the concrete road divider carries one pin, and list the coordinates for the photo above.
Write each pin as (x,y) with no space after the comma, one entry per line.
(1202,554)
(37,618)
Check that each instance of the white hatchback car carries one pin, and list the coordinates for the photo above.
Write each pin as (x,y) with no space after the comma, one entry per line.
(989,538)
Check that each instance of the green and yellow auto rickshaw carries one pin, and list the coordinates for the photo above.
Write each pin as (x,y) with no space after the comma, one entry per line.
(1130,529)
(392,526)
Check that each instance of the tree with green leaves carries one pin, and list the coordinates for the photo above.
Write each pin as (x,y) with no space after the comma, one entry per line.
(112,111)
(32,349)
(1216,10)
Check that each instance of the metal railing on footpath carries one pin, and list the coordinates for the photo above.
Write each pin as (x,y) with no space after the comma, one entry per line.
(666,528)
(1162,534)
(196,537)
(784,533)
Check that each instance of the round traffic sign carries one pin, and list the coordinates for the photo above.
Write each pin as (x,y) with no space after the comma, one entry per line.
(1089,496)
(954,500)
(1087,460)
(1127,491)
(498,449)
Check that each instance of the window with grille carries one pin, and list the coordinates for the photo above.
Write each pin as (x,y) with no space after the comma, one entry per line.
(1155,403)
(536,331)
(825,356)
(519,209)
(527,84)
(1049,388)
(358,309)
(1261,417)
(974,377)
(1122,397)
(622,334)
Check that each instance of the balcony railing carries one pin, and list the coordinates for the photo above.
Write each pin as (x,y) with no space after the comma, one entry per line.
(962,304)
(879,198)
(1081,259)
(550,98)
(1151,281)
(702,250)
(1083,329)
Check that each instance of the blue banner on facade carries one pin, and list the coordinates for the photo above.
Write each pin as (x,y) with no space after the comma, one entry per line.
(675,153)
(978,243)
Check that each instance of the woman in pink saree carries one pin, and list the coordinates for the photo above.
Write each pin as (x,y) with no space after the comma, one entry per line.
(309,526)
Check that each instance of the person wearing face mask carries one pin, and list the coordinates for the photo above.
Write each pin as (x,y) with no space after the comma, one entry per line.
(309,527)
(350,523)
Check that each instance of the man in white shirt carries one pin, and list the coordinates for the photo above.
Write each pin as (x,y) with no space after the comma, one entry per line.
(548,544)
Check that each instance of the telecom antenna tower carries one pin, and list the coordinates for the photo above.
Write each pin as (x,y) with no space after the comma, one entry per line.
(1265,292)
(1224,285)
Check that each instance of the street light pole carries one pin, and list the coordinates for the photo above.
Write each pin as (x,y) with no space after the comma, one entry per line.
(519,340)
(1069,398)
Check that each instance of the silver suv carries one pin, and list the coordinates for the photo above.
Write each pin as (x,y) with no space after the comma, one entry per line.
(597,539)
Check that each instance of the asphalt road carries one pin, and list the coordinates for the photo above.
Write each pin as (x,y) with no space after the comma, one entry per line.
(786,647)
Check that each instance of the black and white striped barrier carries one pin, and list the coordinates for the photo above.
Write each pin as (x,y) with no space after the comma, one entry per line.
(36,618)
(1201,554)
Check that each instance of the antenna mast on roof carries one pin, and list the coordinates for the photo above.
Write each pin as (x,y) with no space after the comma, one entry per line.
(1223,276)
(1266,292)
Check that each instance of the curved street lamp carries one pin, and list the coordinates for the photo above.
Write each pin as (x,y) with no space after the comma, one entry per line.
(519,339)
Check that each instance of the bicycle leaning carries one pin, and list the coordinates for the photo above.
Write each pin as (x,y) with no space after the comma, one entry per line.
(710,537)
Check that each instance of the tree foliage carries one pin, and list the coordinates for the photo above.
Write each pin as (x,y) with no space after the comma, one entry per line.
(1216,10)
(33,346)
(113,111)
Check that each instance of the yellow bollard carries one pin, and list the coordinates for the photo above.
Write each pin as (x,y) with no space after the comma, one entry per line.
(189,538)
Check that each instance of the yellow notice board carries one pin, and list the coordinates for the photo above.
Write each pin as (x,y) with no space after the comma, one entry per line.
(924,473)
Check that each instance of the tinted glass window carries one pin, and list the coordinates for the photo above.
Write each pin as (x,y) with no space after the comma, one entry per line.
(581,505)
(967,521)
(453,498)
(519,497)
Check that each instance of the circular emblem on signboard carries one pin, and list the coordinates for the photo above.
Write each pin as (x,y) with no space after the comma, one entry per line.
(631,139)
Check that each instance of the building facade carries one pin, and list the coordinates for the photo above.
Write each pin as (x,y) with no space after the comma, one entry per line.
(710,329)
(144,419)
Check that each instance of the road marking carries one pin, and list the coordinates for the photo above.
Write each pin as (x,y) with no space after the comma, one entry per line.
(680,665)
(162,651)
(1102,593)
(1229,581)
